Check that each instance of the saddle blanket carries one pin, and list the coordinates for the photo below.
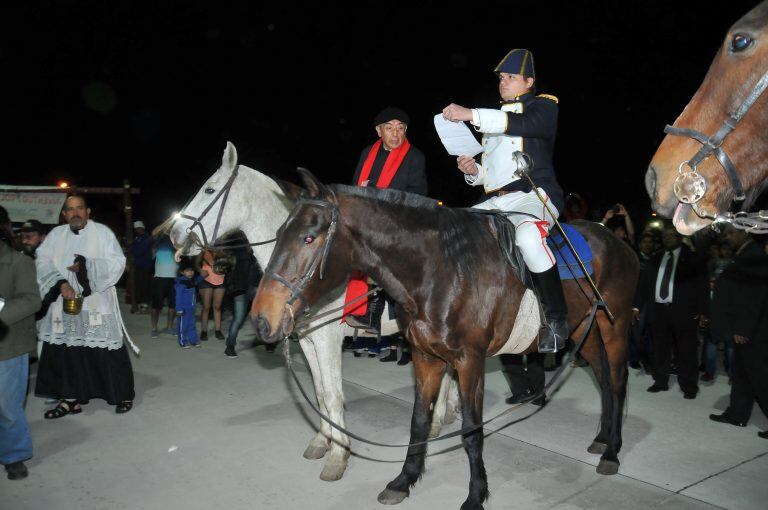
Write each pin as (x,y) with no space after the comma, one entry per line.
(567,264)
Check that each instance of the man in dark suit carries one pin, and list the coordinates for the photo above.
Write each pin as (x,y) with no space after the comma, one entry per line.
(676,290)
(740,313)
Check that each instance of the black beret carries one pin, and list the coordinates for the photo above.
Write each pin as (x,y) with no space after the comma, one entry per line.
(391,113)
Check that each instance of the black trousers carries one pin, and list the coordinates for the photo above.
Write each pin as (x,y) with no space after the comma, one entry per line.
(672,329)
(750,380)
(523,372)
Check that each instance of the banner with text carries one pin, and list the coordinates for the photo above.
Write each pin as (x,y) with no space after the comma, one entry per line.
(28,205)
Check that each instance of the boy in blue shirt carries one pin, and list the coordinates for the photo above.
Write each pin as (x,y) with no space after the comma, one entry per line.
(185,287)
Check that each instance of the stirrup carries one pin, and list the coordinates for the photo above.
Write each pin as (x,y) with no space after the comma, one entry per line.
(552,336)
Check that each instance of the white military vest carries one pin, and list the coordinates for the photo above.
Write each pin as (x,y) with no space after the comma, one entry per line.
(496,168)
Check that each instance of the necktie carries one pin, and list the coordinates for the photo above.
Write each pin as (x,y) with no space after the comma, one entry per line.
(664,289)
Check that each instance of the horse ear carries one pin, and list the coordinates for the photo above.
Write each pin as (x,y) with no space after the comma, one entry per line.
(316,188)
(229,159)
(292,191)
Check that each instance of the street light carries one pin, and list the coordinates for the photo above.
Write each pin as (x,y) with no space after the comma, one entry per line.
(63,184)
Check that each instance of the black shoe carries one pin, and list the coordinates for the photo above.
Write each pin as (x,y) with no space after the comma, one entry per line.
(271,347)
(219,335)
(706,377)
(540,402)
(204,336)
(371,320)
(689,395)
(516,398)
(554,331)
(763,434)
(724,418)
(657,388)
(16,471)
(392,356)
(405,358)
(230,351)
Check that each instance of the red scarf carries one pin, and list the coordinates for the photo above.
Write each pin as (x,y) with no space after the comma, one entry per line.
(358,281)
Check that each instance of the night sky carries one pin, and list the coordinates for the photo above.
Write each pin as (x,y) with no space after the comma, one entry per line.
(151,91)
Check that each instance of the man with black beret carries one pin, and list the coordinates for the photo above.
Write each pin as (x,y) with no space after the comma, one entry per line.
(393,163)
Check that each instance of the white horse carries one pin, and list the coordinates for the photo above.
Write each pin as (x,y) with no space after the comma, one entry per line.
(257,206)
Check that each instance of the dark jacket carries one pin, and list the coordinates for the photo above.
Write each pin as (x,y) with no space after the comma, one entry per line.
(690,294)
(410,177)
(740,297)
(18,287)
(239,278)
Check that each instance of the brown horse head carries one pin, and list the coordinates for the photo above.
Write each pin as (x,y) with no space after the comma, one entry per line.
(303,245)
(736,70)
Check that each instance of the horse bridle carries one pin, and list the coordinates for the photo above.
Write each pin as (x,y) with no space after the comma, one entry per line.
(319,258)
(690,186)
(223,194)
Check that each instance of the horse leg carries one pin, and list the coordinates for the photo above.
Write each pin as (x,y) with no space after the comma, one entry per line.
(471,389)
(441,406)
(319,444)
(452,404)
(428,371)
(591,354)
(606,352)
(614,381)
(328,350)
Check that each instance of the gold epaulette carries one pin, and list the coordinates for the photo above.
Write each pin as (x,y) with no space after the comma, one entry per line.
(550,97)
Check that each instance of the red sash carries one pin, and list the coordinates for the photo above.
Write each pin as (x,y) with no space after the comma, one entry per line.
(358,282)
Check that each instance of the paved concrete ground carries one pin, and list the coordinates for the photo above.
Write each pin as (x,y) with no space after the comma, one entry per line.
(212,432)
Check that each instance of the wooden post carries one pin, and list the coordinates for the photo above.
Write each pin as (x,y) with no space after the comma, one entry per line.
(130,289)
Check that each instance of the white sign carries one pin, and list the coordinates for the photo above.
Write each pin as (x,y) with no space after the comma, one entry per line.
(43,207)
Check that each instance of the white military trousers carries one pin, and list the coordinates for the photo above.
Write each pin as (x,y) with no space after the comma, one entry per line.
(531,228)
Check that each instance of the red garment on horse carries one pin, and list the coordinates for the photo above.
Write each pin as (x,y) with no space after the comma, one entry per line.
(358,282)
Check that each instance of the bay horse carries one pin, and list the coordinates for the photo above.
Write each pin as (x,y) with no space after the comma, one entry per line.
(256,205)
(457,299)
(727,118)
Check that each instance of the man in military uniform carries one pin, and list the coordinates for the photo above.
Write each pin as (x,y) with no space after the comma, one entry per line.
(528,123)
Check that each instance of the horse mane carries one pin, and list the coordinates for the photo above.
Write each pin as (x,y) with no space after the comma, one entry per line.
(464,236)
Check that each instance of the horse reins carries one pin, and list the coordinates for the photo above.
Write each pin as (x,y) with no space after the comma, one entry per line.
(690,186)
(464,430)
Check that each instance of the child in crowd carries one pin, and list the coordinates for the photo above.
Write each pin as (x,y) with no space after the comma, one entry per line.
(186,288)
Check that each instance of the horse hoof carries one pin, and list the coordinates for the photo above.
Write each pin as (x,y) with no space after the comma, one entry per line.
(391,497)
(597,448)
(332,472)
(608,467)
(315,452)
(471,506)
(434,431)
(450,417)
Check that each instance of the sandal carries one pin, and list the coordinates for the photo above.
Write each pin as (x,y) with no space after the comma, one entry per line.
(64,408)
(124,406)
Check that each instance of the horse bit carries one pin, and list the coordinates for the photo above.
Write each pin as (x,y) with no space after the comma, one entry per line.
(690,186)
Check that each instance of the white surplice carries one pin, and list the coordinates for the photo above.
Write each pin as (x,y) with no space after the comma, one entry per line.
(99,323)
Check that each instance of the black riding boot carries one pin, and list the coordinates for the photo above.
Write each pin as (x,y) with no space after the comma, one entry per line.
(554,330)
(371,320)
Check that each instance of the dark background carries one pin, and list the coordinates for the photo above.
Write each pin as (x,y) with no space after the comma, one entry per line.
(151,91)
